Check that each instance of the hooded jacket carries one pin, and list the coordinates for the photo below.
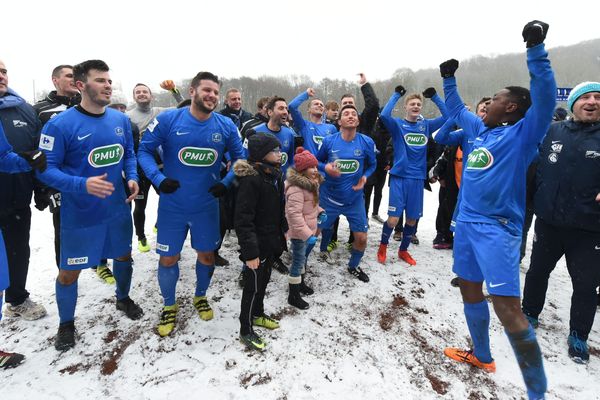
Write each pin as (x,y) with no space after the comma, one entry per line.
(301,204)
(259,220)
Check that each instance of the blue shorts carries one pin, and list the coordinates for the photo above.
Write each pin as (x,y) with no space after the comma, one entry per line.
(203,227)
(490,253)
(84,247)
(355,213)
(406,194)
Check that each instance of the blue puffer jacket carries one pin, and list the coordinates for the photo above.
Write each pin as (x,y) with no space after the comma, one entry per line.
(22,129)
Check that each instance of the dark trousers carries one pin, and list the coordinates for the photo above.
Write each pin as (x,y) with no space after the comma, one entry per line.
(447,202)
(582,252)
(255,285)
(139,211)
(15,229)
(376,183)
(56,223)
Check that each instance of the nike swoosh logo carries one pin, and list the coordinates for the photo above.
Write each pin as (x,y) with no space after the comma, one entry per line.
(83,137)
(182,133)
(555,141)
(334,151)
(496,285)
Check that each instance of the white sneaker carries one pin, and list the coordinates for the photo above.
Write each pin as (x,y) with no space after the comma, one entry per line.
(28,310)
(325,256)
(377,218)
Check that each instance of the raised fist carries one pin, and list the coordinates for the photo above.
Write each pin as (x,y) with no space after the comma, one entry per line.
(311,92)
(448,68)
(168,85)
(534,33)
(429,93)
(400,90)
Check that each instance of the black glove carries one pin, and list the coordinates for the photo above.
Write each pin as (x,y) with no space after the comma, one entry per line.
(218,190)
(535,32)
(448,68)
(429,92)
(36,159)
(41,199)
(400,90)
(168,185)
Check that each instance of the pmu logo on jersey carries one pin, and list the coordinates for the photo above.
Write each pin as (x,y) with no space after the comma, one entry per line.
(480,158)
(197,156)
(106,155)
(415,139)
(347,166)
(284,159)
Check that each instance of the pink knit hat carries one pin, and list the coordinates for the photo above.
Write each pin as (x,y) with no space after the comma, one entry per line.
(304,159)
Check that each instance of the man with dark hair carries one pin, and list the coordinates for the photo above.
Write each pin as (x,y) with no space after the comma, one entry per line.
(233,108)
(567,206)
(22,128)
(141,115)
(347,158)
(260,117)
(492,204)
(193,140)
(65,96)
(332,109)
(89,147)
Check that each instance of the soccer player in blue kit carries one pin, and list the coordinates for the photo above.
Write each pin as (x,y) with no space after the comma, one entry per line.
(277,111)
(88,147)
(491,211)
(348,159)
(407,176)
(193,141)
(313,130)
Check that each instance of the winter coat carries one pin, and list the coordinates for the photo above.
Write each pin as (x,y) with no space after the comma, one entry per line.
(239,118)
(301,204)
(568,176)
(259,219)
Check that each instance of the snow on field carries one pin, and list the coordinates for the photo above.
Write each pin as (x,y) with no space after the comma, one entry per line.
(380,340)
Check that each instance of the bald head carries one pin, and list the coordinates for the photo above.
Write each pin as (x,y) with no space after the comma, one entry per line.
(3,79)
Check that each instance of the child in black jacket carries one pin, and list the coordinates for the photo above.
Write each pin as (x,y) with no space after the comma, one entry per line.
(260,226)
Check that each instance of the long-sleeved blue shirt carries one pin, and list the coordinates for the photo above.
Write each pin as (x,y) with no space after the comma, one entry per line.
(354,160)
(286,138)
(80,145)
(410,139)
(493,184)
(192,151)
(312,133)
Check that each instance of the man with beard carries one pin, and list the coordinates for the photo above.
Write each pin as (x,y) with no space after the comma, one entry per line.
(193,141)
(89,147)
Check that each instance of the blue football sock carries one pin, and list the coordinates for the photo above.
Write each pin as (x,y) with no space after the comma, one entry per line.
(529,357)
(167,281)
(122,271)
(66,300)
(478,321)
(326,235)
(355,257)
(386,232)
(407,234)
(204,275)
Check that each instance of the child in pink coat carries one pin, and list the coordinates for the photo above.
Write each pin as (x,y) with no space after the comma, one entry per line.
(303,213)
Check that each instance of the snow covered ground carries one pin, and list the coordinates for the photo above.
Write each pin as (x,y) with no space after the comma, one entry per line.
(380,340)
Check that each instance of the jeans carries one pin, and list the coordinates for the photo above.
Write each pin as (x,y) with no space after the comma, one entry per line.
(298,257)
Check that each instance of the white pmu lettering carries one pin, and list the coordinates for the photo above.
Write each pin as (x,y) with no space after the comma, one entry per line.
(108,155)
(196,156)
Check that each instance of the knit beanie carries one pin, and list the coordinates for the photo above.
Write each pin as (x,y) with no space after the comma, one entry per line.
(580,90)
(304,159)
(260,144)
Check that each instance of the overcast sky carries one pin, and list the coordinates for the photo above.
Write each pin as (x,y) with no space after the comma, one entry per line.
(149,41)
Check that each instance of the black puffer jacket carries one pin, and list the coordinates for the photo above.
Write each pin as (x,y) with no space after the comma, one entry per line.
(568,176)
(259,220)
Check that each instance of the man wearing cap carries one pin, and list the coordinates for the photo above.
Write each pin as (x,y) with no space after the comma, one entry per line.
(567,206)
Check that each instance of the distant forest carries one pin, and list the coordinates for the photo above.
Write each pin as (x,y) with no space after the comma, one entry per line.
(477,77)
